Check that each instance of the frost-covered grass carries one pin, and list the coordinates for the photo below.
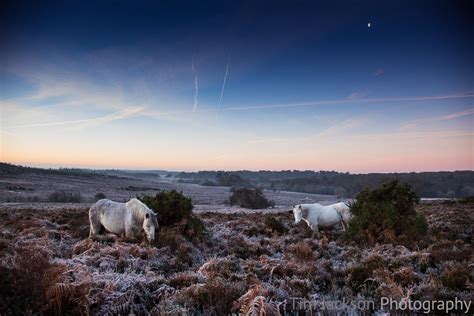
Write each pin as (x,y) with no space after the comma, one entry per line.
(48,265)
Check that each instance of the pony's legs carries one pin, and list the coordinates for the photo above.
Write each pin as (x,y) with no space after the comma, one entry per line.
(95,225)
(94,229)
(129,234)
(315,230)
(344,225)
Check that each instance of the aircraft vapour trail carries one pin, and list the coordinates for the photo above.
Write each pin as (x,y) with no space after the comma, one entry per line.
(119,115)
(346,101)
(196,87)
(10,134)
(224,82)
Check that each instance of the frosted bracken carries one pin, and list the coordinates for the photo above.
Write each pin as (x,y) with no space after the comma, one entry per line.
(240,265)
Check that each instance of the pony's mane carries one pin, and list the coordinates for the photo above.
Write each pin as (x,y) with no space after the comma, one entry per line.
(304,211)
(154,220)
(139,209)
(305,208)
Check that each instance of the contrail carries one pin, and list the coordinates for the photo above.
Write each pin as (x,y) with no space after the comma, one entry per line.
(224,82)
(119,115)
(10,134)
(346,101)
(440,118)
(196,87)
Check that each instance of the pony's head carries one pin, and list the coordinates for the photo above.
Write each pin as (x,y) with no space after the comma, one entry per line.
(298,213)
(150,225)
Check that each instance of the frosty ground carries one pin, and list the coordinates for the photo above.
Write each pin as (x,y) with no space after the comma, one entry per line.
(48,265)
(21,189)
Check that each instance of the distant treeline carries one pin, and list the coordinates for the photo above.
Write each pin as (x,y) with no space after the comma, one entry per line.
(425,184)
(6,168)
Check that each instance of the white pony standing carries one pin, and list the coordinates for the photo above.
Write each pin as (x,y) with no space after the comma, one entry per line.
(122,218)
(317,215)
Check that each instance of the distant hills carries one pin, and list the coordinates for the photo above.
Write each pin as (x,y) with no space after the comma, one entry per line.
(6,168)
(442,184)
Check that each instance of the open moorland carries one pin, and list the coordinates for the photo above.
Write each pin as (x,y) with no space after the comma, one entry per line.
(22,188)
(241,263)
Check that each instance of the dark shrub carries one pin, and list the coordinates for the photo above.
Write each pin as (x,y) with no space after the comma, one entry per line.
(229,179)
(64,197)
(194,227)
(209,183)
(175,209)
(99,196)
(386,215)
(275,225)
(249,198)
(467,200)
(171,206)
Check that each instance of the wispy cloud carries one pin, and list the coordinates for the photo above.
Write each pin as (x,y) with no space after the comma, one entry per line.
(344,126)
(196,86)
(119,115)
(333,130)
(357,95)
(385,137)
(378,72)
(456,115)
(440,118)
(10,134)
(347,101)
(414,135)
(267,140)
(224,82)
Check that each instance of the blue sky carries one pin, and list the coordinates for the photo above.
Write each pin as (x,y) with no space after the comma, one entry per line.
(238,85)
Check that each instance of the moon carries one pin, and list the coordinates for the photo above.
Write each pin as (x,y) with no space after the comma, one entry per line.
(368,24)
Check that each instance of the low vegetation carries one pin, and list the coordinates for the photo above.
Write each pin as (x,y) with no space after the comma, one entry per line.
(171,206)
(64,197)
(386,215)
(275,225)
(99,196)
(249,198)
(175,210)
(49,266)
(23,198)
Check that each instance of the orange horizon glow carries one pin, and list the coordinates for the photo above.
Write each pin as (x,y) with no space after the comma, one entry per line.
(395,164)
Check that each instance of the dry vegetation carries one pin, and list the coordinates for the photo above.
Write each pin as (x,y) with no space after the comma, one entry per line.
(243,263)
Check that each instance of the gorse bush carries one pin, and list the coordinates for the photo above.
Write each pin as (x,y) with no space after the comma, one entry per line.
(275,225)
(173,208)
(386,215)
(249,198)
(99,196)
(64,197)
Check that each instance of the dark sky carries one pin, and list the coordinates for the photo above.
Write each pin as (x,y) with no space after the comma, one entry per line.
(265,63)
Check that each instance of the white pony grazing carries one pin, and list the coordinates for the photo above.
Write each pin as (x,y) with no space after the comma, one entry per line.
(317,215)
(122,218)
